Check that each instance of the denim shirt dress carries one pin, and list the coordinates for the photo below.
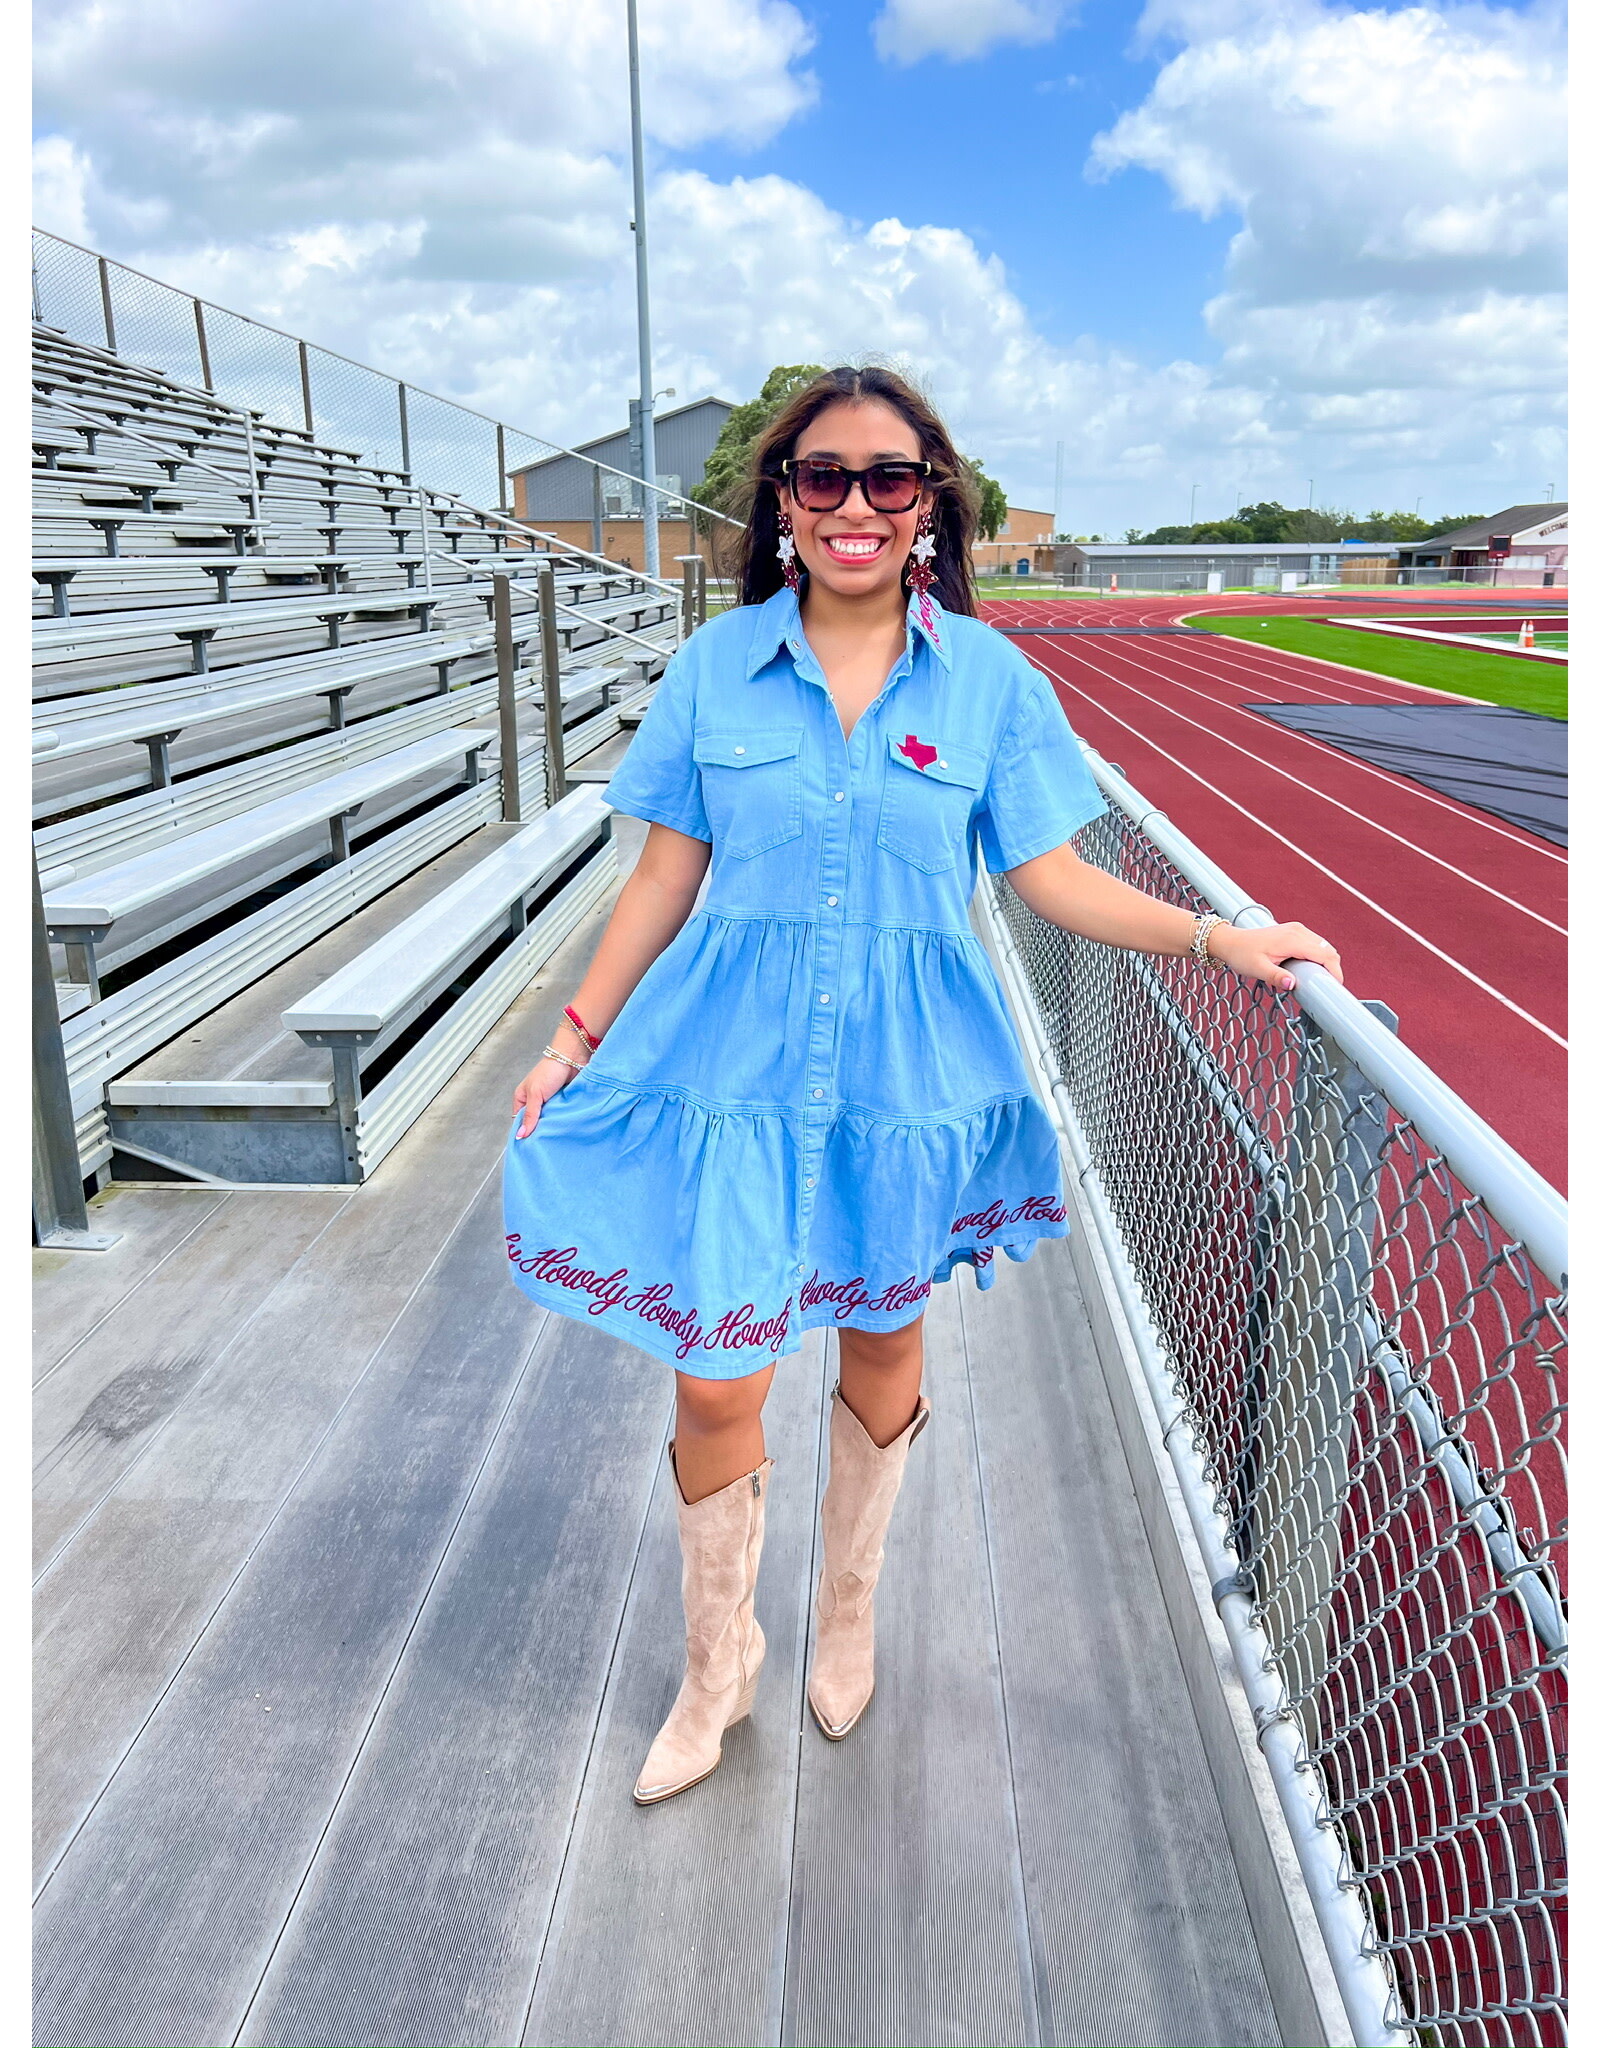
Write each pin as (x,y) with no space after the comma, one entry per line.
(814,1103)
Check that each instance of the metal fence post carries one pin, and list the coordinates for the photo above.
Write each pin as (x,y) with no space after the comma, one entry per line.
(60,1215)
(405,432)
(693,585)
(597,512)
(505,658)
(205,351)
(500,465)
(555,752)
(105,304)
(305,389)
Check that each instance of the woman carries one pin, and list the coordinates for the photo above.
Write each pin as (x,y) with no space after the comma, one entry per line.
(803,1103)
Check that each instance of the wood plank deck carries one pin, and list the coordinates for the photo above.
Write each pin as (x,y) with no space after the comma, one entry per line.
(356,1623)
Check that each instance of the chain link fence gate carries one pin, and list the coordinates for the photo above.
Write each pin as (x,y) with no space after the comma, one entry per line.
(1362,1314)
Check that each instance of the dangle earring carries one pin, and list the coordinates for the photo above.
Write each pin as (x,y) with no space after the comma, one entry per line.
(920,571)
(786,556)
(921,576)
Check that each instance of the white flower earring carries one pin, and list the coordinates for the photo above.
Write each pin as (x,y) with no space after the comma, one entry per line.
(786,557)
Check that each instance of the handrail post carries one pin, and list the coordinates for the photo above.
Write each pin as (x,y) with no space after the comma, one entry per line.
(305,390)
(105,304)
(555,752)
(500,464)
(405,432)
(205,351)
(597,511)
(505,658)
(60,1214)
(690,605)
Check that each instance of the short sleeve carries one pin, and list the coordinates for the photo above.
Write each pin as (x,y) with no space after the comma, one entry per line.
(1040,790)
(657,778)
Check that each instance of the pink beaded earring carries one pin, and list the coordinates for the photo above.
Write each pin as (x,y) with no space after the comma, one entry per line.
(786,556)
(921,576)
(920,571)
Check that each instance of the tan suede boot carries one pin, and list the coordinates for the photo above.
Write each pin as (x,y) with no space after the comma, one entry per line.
(721,1538)
(863,1482)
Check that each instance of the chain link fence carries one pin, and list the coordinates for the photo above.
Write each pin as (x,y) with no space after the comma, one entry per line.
(346,405)
(1373,1371)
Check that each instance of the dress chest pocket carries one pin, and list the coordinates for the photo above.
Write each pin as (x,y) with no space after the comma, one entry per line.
(750,781)
(928,795)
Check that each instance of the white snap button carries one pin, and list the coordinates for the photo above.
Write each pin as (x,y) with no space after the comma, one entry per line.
(816,1094)
(824,999)
(942,764)
(838,796)
(833,902)
(740,750)
(810,1183)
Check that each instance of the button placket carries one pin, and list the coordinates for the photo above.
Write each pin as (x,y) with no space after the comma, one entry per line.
(822,1058)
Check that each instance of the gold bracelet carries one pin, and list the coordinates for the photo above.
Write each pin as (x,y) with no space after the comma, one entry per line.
(1200,944)
(577,1066)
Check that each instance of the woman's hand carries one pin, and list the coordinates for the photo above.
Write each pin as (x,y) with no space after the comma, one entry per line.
(1259,955)
(535,1089)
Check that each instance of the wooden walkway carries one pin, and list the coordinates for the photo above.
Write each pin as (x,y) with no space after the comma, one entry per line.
(358,1609)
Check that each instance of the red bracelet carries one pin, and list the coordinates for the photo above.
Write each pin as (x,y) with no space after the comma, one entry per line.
(580,1027)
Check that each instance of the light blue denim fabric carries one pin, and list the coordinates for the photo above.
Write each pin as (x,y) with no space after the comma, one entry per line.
(814,1103)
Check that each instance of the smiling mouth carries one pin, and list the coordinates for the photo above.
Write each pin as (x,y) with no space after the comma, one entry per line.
(855,547)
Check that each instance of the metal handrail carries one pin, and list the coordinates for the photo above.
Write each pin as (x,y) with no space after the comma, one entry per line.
(556,447)
(553,541)
(1521,1201)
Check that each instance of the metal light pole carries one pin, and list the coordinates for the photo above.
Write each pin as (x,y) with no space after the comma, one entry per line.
(641,261)
(1192,490)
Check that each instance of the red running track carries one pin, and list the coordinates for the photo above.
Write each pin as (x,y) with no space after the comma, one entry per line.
(1453,918)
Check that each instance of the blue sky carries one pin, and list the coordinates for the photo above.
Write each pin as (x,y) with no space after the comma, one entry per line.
(997,146)
(1230,244)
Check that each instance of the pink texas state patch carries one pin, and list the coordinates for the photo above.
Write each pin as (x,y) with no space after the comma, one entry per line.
(918,752)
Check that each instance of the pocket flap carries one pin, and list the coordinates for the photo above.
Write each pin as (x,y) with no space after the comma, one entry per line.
(965,765)
(746,749)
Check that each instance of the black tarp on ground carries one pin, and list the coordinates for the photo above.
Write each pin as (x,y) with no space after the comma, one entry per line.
(1512,763)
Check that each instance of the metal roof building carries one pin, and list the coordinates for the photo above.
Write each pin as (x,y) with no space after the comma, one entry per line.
(1177,566)
(562,486)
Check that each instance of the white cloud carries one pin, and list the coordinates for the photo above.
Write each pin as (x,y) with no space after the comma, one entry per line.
(907,30)
(446,195)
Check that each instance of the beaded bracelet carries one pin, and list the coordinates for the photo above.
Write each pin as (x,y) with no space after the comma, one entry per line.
(1200,944)
(577,1066)
(581,1028)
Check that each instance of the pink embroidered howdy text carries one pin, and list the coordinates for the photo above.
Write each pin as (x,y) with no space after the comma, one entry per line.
(1032,1209)
(738,1329)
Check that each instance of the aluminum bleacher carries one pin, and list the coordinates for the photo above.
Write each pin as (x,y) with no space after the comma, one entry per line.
(273,689)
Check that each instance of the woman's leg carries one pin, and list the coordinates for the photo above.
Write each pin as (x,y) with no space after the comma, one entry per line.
(878,1413)
(880,1377)
(722,1473)
(719,1431)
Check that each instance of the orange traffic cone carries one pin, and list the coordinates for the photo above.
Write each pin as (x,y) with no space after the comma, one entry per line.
(1525,637)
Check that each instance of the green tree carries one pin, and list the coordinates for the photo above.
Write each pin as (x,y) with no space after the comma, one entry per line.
(728,464)
(992,507)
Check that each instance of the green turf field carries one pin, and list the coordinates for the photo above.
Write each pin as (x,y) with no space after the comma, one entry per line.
(1467,671)
(1550,643)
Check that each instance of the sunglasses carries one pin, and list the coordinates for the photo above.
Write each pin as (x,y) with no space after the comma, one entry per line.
(824,486)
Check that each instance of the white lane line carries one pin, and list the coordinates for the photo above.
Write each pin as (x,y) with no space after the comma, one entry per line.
(1312,790)
(1356,679)
(1349,888)
(1383,775)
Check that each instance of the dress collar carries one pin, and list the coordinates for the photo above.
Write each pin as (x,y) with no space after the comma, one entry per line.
(778,624)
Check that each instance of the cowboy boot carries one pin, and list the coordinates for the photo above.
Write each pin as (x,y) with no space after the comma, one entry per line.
(721,1539)
(862,1484)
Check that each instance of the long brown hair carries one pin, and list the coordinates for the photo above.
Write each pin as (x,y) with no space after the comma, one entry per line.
(955,505)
